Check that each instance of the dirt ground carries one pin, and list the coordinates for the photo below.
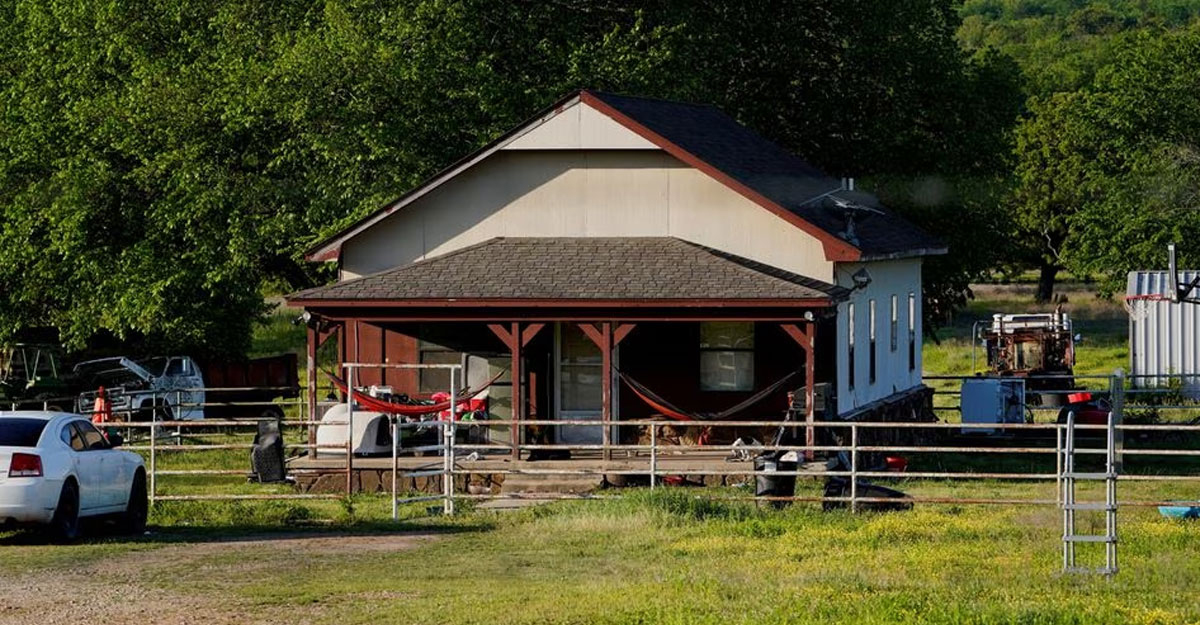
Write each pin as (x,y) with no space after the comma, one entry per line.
(116,590)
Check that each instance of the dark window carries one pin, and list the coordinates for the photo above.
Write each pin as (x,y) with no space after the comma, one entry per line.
(895,327)
(436,380)
(175,367)
(20,431)
(912,332)
(850,335)
(871,357)
(92,438)
(726,356)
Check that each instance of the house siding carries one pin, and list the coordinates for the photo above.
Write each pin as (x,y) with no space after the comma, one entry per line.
(892,375)
(583,193)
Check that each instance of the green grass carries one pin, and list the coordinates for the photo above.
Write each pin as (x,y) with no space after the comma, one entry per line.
(669,557)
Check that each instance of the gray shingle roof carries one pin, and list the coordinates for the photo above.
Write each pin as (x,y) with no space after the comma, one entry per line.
(783,177)
(593,268)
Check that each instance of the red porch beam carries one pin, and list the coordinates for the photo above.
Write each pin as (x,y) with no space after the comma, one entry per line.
(603,338)
(621,332)
(806,338)
(516,338)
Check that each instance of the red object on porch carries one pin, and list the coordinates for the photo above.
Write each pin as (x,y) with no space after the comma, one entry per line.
(471,405)
(1078,398)
(410,410)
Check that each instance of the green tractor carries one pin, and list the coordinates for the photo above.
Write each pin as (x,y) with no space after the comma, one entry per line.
(32,377)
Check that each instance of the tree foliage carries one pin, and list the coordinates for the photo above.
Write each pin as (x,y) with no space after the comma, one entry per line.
(160,162)
(1112,171)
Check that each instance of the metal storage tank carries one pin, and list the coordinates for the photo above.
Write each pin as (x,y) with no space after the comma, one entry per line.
(1163,334)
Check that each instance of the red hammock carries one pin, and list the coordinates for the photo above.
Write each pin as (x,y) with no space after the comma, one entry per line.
(671,411)
(409,410)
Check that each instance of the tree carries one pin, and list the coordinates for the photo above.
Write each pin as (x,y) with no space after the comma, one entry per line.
(1108,174)
(161,161)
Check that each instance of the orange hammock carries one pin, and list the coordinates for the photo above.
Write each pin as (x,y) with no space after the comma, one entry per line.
(671,411)
(408,410)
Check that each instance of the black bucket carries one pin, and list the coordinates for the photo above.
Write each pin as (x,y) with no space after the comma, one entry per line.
(768,485)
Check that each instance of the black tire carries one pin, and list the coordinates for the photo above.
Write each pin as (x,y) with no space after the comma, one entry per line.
(64,526)
(133,520)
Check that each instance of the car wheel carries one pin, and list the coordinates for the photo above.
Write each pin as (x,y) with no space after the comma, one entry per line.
(64,526)
(133,521)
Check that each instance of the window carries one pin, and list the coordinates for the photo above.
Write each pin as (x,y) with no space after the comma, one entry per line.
(850,334)
(912,332)
(92,438)
(895,324)
(435,380)
(871,356)
(726,356)
(21,431)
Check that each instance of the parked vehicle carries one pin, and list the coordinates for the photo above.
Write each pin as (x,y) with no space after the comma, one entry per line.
(32,375)
(179,388)
(1039,347)
(57,468)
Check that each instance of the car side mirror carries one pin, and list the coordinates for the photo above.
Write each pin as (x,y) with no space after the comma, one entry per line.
(115,440)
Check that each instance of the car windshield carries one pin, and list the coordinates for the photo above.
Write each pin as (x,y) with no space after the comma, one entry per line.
(20,432)
(155,365)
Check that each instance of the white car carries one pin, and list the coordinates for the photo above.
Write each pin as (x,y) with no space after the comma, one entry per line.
(57,468)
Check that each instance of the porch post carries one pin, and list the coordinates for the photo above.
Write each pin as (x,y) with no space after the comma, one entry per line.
(518,403)
(606,387)
(810,402)
(516,338)
(603,338)
(311,381)
(806,338)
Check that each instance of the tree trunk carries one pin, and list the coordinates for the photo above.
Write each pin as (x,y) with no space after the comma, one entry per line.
(1046,276)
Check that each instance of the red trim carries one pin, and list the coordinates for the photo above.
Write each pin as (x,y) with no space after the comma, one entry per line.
(622,331)
(561,303)
(835,249)
(529,332)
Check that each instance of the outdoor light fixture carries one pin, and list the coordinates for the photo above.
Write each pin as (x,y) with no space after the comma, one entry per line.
(861,279)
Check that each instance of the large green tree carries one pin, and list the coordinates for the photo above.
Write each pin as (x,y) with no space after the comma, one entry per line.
(160,162)
(1110,173)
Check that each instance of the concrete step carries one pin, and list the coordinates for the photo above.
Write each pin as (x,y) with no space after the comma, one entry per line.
(515,484)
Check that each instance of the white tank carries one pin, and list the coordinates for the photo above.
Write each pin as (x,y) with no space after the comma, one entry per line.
(372,433)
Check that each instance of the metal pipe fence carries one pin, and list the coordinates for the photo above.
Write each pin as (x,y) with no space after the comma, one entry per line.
(940,451)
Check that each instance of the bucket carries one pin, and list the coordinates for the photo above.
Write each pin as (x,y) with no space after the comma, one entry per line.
(1079,398)
(767,485)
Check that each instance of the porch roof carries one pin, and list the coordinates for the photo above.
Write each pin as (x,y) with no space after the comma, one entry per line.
(603,270)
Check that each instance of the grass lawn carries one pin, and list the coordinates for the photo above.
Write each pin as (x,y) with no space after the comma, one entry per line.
(663,557)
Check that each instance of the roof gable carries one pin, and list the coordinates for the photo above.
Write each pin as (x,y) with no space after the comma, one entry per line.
(850,226)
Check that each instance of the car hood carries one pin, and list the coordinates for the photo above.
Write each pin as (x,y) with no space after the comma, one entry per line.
(118,369)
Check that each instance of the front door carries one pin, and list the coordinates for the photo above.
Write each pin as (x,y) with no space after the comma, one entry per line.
(579,388)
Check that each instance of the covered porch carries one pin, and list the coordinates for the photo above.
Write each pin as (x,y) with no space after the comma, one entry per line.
(610,331)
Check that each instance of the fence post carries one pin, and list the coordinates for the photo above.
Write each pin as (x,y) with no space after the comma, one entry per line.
(1117,406)
(853,467)
(395,464)
(153,458)
(1058,465)
(448,449)
(653,454)
(349,430)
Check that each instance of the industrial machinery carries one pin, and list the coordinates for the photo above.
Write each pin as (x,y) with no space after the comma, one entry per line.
(1039,347)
